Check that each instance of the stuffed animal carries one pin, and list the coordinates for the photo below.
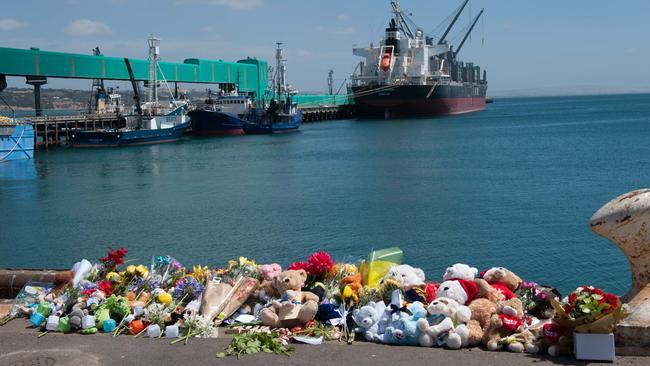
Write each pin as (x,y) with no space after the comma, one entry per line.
(406,275)
(552,338)
(463,291)
(298,307)
(350,283)
(266,290)
(502,279)
(506,322)
(402,328)
(452,331)
(460,271)
(482,310)
(368,320)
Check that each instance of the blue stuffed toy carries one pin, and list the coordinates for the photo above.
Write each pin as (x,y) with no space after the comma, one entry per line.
(402,328)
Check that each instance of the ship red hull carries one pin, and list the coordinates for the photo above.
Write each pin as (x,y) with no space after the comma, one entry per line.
(419,100)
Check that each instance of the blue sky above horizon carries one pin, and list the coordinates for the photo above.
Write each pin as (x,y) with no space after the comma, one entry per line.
(522,43)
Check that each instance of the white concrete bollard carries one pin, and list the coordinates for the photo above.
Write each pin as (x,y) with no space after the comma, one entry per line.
(625,221)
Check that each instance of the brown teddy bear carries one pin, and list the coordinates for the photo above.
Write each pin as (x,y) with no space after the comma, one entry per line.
(506,322)
(295,307)
(482,311)
(503,280)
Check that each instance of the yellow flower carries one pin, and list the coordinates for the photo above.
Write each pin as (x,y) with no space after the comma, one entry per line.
(141,271)
(130,270)
(164,298)
(200,272)
(347,292)
(113,277)
(245,261)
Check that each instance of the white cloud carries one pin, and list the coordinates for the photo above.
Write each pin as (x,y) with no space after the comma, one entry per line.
(341,17)
(10,24)
(632,51)
(507,26)
(85,27)
(235,4)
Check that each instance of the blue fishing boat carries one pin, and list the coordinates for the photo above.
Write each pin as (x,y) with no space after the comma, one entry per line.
(222,116)
(16,141)
(273,120)
(153,124)
(160,129)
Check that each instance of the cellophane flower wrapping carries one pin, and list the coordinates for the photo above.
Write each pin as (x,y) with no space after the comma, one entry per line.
(590,310)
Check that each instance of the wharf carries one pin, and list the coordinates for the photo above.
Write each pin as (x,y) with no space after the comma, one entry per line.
(315,113)
(56,130)
(20,345)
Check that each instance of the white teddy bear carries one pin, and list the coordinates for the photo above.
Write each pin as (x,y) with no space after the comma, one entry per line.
(452,331)
(406,275)
(460,271)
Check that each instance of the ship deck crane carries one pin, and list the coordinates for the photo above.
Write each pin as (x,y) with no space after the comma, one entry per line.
(444,35)
(460,46)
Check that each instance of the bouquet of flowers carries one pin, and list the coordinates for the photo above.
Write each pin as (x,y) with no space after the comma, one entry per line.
(590,310)
(317,266)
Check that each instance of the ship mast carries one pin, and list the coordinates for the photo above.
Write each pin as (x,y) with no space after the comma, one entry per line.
(154,54)
(444,35)
(280,71)
(468,33)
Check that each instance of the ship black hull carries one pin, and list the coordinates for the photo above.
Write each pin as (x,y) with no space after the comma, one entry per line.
(418,100)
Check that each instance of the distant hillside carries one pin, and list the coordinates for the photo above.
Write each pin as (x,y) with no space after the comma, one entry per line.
(566,91)
(23,98)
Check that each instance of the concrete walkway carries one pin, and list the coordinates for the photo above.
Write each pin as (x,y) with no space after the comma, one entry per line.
(19,346)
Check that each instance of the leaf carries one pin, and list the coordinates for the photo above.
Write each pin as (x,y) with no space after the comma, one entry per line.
(221,354)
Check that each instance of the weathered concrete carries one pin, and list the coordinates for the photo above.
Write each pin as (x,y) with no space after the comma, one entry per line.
(21,346)
(625,220)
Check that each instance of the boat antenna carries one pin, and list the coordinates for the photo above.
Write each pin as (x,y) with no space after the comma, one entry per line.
(444,35)
(468,33)
(330,82)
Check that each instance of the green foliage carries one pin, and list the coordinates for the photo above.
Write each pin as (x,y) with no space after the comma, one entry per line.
(249,343)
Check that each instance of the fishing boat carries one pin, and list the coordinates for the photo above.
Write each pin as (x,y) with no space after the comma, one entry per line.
(282,115)
(16,140)
(154,122)
(221,116)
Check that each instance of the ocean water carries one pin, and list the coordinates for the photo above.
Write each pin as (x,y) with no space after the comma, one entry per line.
(513,186)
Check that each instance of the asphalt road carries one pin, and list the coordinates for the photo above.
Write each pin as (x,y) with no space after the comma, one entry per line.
(20,346)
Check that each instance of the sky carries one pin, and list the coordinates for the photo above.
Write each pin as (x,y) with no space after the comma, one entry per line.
(523,44)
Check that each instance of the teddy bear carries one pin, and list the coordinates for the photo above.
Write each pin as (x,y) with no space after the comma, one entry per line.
(460,271)
(452,331)
(406,275)
(507,321)
(482,310)
(369,318)
(298,307)
(503,280)
(268,273)
(402,328)
(552,338)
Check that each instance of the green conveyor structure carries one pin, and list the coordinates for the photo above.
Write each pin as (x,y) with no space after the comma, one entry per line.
(249,75)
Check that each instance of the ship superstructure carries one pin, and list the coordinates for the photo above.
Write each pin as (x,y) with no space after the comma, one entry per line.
(412,74)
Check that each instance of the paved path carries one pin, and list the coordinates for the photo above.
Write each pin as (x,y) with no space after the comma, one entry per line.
(19,346)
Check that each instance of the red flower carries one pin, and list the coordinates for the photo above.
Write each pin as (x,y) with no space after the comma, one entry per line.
(89,291)
(114,258)
(105,287)
(297,266)
(597,291)
(319,263)
(611,299)
(572,297)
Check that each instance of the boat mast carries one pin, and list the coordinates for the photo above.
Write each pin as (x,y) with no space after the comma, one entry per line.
(451,25)
(468,33)
(154,53)
(280,71)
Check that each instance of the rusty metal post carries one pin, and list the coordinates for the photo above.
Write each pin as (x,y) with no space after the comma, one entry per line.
(625,220)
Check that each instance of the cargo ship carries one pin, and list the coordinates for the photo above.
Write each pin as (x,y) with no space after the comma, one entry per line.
(413,74)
